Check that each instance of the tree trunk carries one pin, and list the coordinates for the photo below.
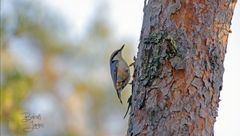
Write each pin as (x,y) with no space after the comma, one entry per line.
(179,67)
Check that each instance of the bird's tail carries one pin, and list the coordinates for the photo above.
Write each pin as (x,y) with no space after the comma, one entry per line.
(119,95)
(129,104)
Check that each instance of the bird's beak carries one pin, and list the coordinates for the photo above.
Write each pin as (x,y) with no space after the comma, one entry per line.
(122,47)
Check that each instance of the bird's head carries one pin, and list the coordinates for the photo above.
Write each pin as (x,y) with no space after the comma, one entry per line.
(116,55)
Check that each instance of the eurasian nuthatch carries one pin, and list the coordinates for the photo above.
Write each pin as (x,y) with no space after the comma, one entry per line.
(119,71)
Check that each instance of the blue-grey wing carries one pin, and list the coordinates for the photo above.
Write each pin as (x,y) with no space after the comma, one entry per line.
(113,68)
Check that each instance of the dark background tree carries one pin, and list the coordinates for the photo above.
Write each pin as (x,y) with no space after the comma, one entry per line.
(179,67)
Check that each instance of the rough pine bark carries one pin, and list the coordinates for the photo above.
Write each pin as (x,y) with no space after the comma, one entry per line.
(179,67)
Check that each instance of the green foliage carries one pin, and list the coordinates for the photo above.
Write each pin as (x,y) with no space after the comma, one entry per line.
(14,91)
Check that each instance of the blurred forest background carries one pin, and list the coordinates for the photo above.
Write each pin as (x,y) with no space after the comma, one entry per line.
(65,80)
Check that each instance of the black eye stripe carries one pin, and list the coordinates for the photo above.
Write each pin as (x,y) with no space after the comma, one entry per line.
(114,54)
(113,61)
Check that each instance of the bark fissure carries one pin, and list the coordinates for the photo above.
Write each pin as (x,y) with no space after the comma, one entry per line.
(179,67)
